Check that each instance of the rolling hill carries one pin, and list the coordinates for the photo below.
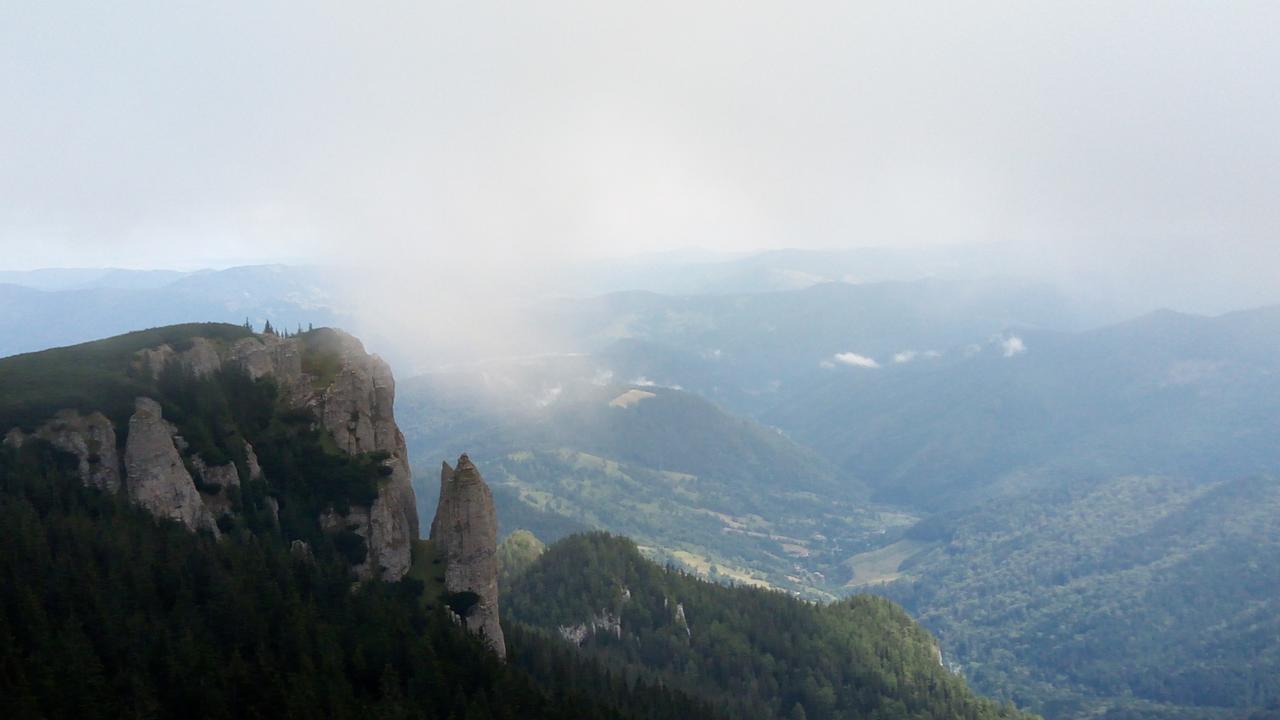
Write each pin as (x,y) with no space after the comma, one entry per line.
(1164,394)
(712,491)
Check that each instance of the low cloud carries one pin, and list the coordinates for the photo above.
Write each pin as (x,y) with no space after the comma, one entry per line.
(855,360)
(549,396)
(1012,345)
(907,356)
(643,381)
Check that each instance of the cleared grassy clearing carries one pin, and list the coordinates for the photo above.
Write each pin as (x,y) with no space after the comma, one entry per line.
(881,566)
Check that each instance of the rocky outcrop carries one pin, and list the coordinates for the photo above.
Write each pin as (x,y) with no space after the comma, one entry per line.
(352,395)
(216,476)
(465,532)
(201,358)
(251,462)
(356,407)
(90,438)
(263,355)
(603,621)
(327,373)
(682,621)
(216,482)
(155,476)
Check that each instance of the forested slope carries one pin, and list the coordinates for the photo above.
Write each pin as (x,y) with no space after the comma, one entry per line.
(758,653)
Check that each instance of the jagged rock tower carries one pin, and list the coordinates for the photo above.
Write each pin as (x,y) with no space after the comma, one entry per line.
(465,532)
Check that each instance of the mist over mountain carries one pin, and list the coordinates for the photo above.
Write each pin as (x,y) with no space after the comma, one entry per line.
(1006,457)
(600,361)
(1026,480)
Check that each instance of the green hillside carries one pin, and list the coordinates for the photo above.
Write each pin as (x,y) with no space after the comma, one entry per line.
(712,492)
(757,653)
(1150,596)
(107,613)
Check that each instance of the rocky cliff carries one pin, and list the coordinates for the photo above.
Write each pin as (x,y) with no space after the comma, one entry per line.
(90,438)
(465,532)
(352,395)
(325,375)
(155,476)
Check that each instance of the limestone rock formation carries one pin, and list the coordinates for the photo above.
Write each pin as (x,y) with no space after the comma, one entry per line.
(356,407)
(201,359)
(465,531)
(221,476)
(91,438)
(352,394)
(155,476)
(263,355)
(603,621)
(251,461)
(325,372)
(216,482)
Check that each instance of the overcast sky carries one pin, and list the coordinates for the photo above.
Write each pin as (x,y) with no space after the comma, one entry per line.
(194,134)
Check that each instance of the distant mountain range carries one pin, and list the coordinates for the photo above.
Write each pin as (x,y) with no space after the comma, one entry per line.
(51,308)
(1165,393)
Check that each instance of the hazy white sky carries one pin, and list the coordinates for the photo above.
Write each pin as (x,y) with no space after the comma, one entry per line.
(194,134)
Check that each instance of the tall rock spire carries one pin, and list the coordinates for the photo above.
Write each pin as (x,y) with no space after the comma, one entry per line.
(465,531)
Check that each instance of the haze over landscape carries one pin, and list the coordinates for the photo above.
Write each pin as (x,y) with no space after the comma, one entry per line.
(941,340)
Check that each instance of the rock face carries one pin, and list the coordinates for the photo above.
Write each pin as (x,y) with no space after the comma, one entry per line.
(603,621)
(465,531)
(216,482)
(201,359)
(356,407)
(352,394)
(155,476)
(91,438)
(326,372)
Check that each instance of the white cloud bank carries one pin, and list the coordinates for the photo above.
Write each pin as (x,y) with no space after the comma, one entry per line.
(907,356)
(853,359)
